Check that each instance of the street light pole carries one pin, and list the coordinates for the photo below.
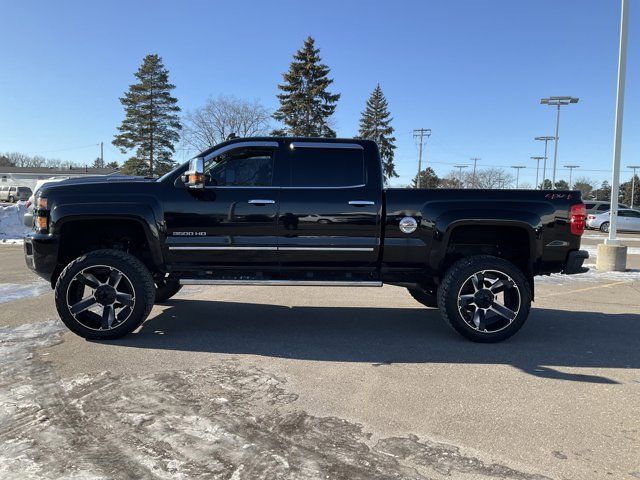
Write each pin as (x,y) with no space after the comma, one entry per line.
(617,136)
(557,101)
(420,133)
(460,167)
(537,159)
(518,167)
(544,164)
(571,167)
(633,182)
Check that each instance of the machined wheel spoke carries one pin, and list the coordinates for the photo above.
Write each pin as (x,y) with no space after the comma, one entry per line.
(478,281)
(108,316)
(498,286)
(89,280)
(502,311)
(114,278)
(465,300)
(478,319)
(82,305)
(124,299)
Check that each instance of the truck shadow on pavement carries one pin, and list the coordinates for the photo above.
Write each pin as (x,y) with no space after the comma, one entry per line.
(383,336)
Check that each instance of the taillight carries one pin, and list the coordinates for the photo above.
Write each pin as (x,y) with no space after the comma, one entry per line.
(578,217)
(591,217)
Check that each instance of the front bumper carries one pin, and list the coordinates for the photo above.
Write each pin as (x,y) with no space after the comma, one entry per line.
(574,262)
(41,254)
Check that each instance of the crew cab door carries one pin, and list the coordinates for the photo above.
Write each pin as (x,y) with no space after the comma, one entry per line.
(232,221)
(329,214)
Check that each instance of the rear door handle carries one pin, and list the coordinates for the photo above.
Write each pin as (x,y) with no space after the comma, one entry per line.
(361,203)
(261,202)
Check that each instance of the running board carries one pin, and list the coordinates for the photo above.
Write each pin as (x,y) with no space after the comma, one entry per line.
(281,283)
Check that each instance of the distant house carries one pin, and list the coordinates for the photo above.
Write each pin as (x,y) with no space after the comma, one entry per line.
(28,176)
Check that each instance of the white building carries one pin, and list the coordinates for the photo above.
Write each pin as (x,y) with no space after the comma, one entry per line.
(28,176)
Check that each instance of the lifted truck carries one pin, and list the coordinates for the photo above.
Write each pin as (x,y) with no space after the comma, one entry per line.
(297,211)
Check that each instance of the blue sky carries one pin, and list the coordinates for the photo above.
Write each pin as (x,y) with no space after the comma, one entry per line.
(472,71)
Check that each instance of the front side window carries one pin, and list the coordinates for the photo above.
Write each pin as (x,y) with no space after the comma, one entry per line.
(242,167)
(327,167)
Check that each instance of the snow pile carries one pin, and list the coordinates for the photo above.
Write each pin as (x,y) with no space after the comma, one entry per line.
(11,227)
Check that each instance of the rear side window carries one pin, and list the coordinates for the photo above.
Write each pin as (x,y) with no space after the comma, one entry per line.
(589,205)
(327,167)
(604,207)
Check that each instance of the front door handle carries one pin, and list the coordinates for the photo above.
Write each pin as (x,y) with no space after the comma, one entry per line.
(361,203)
(261,202)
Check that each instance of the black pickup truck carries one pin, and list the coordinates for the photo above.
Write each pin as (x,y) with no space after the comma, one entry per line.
(297,211)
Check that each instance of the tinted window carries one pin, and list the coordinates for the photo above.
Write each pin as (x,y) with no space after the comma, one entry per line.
(589,205)
(327,167)
(24,189)
(634,214)
(248,166)
(604,207)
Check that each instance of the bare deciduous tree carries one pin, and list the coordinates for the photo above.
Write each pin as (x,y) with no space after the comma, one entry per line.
(219,117)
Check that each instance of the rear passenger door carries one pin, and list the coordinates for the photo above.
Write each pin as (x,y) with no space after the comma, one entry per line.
(329,214)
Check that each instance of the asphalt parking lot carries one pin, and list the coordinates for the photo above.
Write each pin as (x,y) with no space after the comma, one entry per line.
(266,382)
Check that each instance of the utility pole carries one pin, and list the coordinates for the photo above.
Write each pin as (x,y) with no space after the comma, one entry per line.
(546,140)
(518,167)
(633,182)
(537,159)
(460,167)
(475,162)
(102,153)
(559,102)
(571,167)
(420,133)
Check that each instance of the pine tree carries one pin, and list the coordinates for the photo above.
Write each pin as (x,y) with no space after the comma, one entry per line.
(428,179)
(375,124)
(151,124)
(305,104)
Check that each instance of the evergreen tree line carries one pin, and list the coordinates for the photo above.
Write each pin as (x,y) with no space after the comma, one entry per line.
(152,127)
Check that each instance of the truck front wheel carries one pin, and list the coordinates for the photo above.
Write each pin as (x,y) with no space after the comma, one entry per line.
(104,294)
(484,298)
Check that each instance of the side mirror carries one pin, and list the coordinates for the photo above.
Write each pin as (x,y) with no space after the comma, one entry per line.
(194,176)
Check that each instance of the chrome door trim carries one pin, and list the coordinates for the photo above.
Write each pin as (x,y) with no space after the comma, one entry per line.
(258,201)
(361,203)
(281,283)
(181,247)
(233,146)
(309,249)
(326,249)
(352,146)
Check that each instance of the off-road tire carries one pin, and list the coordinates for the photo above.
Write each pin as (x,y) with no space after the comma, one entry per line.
(166,288)
(137,274)
(423,296)
(453,281)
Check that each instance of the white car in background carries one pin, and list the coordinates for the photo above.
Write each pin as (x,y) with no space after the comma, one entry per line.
(628,220)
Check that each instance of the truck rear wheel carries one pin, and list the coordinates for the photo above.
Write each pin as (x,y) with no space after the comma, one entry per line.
(423,296)
(485,299)
(104,294)
(166,288)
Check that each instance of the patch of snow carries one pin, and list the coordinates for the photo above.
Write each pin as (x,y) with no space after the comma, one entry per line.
(14,291)
(11,227)
(592,276)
